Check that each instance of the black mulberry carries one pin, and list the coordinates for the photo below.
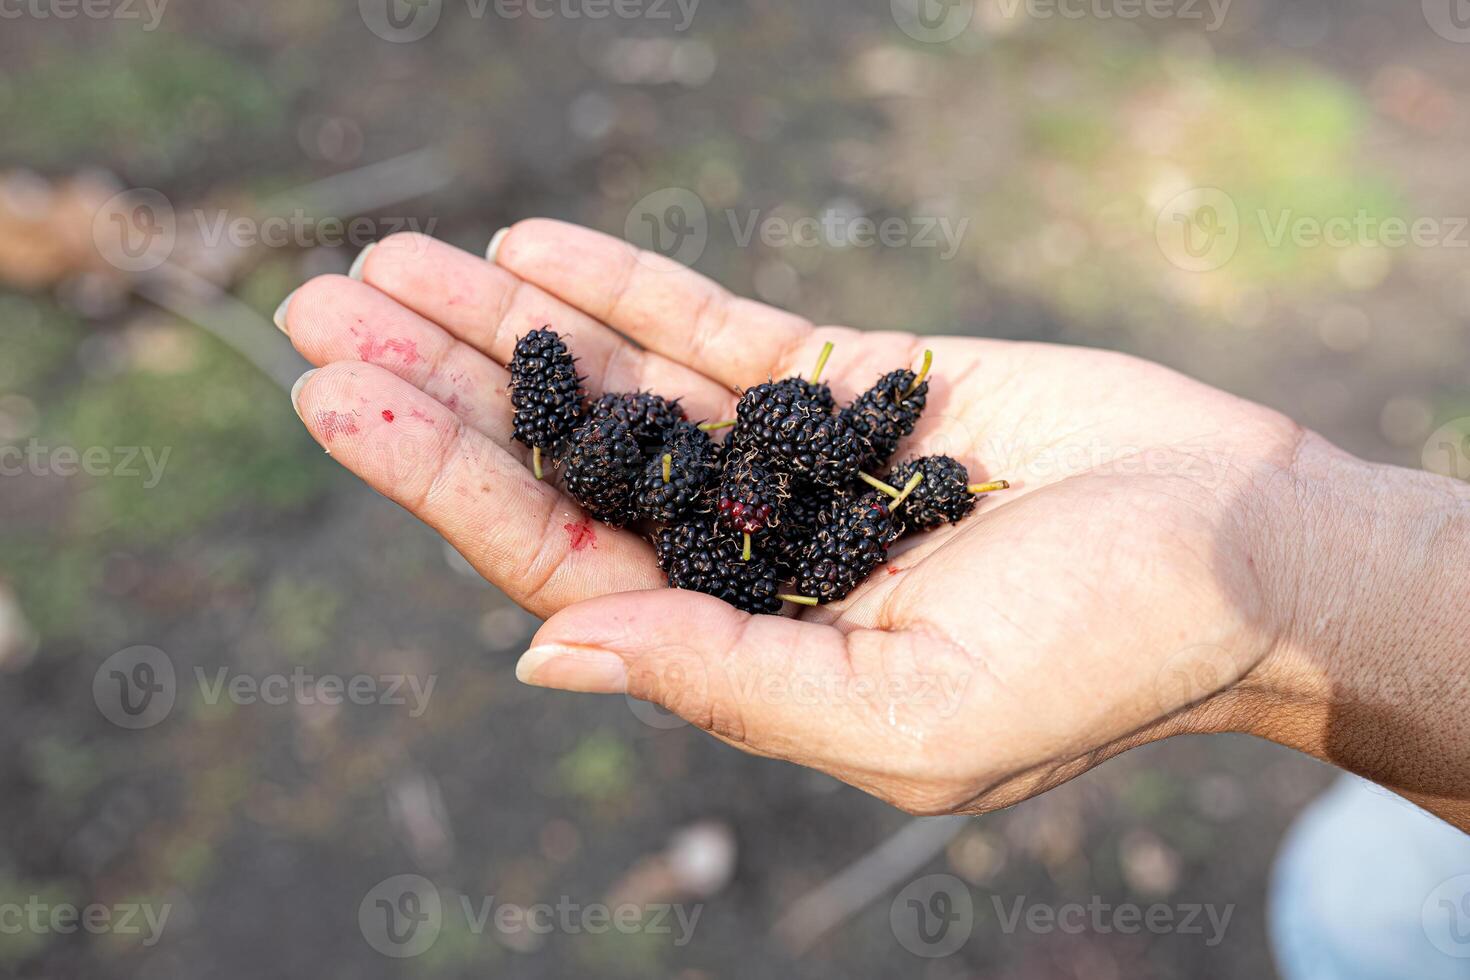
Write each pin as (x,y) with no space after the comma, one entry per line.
(886,413)
(678,479)
(602,464)
(851,540)
(545,392)
(695,554)
(790,425)
(945,496)
(750,493)
(650,417)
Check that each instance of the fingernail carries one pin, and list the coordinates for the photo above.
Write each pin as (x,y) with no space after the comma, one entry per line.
(280,316)
(296,392)
(494,246)
(356,271)
(585,669)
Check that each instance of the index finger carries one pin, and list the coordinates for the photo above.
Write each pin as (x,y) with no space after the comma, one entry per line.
(661,304)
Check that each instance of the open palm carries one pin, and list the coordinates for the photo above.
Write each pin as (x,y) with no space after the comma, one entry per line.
(1117,594)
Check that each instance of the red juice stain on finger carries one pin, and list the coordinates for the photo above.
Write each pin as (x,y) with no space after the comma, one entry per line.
(333,424)
(894,569)
(388,415)
(581,536)
(374,351)
(407,350)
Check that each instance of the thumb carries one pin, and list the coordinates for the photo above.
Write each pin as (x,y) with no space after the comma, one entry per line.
(774,686)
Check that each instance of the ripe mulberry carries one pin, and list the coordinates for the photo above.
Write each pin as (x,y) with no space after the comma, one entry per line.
(796,524)
(886,413)
(792,425)
(946,494)
(545,392)
(851,540)
(602,464)
(679,479)
(650,417)
(695,554)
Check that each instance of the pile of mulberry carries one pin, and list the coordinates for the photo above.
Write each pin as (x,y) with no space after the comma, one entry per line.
(782,501)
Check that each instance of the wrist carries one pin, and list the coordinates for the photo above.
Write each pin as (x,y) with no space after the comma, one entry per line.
(1371,670)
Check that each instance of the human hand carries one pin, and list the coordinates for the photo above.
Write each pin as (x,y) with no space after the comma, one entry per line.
(1142,578)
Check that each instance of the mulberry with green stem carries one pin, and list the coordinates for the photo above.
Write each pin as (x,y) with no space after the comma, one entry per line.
(697,554)
(681,477)
(545,393)
(851,539)
(945,495)
(792,425)
(887,413)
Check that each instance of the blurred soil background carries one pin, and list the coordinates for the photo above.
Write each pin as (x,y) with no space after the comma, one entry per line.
(1057,140)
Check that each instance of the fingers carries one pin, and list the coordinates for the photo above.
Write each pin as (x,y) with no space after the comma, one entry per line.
(659,303)
(519,533)
(488,307)
(860,704)
(333,318)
